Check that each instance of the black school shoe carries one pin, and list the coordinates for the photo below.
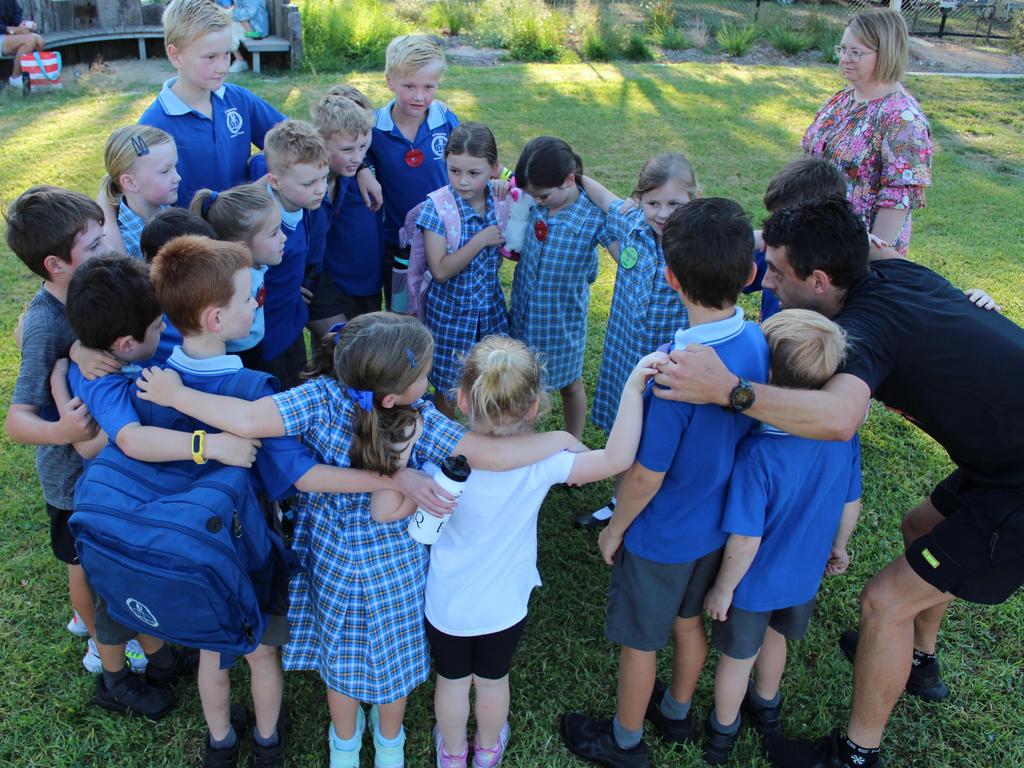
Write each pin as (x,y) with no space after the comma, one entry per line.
(675,731)
(592,739)
(925,680)
(185,662)
(132,696)
(588,522)
(718,746)
(228,758)
(271,756)
(766,720)
(799,753)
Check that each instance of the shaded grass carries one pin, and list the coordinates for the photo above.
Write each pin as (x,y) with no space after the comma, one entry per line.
(737,125)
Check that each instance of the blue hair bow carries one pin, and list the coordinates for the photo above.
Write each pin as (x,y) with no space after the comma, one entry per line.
(336,329)
(362,397)
(208,202)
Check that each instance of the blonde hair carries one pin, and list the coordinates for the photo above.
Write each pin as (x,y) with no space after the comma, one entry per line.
(885,31)
(294,141)
(382,353)
(236,214)
(126,145)
(187,20)
(407,54)
(806,348)
(665,167)
(342,114)
(501,379)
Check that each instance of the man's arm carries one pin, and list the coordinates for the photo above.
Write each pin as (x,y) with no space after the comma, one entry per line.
(835,412)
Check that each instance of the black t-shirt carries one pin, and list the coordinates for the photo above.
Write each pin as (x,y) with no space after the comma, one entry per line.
(954,369)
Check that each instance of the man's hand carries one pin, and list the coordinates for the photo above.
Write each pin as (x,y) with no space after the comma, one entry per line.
(695,375)
(232,450)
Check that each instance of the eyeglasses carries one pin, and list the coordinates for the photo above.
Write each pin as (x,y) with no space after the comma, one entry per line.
(853,53)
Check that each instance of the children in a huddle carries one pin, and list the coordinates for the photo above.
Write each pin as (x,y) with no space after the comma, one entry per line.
(791,508)
(141,179)
(167,225)
(665,539)
(551,288)
(645,310)
(484,566)
(464,301)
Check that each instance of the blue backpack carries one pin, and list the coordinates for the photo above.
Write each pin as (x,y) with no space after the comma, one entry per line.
(179,550)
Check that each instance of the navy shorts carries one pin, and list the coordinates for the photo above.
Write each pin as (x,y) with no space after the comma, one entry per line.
(740,636)
(330,300)
(62,543)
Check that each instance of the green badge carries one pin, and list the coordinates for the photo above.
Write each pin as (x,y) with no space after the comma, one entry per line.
(628,258)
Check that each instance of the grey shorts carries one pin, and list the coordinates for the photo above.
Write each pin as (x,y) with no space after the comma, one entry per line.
(645,597)
(108,631)
(740,636)
(276,633)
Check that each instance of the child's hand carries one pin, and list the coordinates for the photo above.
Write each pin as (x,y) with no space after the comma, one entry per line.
(426,493)
(75,424)
(370,189)
(717,602)
(489,236)
(647,367)
(982,299)
(232,450)
(159,385)
(609,542)
(838,561)
(307,295)
(93,363)
(500,188)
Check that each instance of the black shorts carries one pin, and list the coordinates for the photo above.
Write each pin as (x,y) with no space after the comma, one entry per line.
(61,541)
(977,552)
(645,597)
(486,656)
(742,634)
(286,367)
(330,300)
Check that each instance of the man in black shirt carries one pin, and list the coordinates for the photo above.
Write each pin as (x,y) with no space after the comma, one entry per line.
(919,346)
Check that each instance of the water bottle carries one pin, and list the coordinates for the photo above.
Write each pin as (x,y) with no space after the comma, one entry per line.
(452,476)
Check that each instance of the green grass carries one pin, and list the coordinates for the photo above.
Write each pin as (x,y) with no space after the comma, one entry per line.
(737,125)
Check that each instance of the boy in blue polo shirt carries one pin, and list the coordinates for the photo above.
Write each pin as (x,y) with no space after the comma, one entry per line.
(409,137)
(665,536)
(791,508)
(214,123)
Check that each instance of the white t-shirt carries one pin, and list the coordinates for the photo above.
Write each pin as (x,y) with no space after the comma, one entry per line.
(484,566)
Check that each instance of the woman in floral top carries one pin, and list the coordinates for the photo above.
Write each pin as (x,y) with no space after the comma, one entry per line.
(875,131)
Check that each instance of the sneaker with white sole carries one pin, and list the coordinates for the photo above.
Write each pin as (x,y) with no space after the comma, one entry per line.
(136,657)
(91,661)
(446,759)
(491,758)
(385,756)
(346,758)
(77,627)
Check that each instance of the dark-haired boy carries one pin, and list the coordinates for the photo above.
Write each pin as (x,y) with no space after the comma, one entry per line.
(665,539)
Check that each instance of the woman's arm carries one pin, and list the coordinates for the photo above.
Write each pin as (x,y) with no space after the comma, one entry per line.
(443,265)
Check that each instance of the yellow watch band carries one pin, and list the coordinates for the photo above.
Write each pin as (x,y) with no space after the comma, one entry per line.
(199,446)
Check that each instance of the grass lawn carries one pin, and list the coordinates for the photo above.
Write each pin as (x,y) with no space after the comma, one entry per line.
(737,126)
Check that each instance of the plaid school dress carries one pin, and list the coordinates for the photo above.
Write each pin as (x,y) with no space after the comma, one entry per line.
(130,224)
(645,311)
(465,308)
(551,287)
(356,613)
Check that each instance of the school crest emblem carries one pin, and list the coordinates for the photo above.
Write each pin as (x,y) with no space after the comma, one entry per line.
(234,121)
(438,142)
(141,612)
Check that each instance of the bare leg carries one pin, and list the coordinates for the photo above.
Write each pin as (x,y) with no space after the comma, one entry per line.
(574,407)
(637,670)
(391,717)
(267,687)
(215,694)
(81,599)
(492,700)
(770,664)
(691,649)
(112,657)
(150,644)
(343,713)
(16,45)
(451,708)
(889,605)
(916,523)
(731,678)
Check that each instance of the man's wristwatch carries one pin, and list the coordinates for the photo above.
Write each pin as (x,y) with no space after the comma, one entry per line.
(742,396)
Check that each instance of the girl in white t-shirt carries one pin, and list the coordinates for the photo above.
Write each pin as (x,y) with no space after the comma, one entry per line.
(484,566)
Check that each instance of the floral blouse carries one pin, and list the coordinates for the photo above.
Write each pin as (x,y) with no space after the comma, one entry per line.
(882,146)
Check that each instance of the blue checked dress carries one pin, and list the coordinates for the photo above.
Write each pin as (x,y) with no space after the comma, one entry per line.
(465,308)
(551,287)
(130,225)
(645,311)
(356,613)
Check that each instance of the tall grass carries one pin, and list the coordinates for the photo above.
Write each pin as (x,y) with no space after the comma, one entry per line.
(735,39)
(451,16)
(351,33)
(788,40)
(530,29)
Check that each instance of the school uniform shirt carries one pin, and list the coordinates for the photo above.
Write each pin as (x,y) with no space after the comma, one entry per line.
(769,301)
(130,224)
(356,604)
(694,445)
(258,327)
(551,286)
(467,306)
(108,398)
(353,242)
(409,170)
(169,339)
(213,152)
(790,491)
(645,311)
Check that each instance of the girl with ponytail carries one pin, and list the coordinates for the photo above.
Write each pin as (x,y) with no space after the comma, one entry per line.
(484,566)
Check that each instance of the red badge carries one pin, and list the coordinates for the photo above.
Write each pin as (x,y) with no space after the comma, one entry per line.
(261,295)
(540,229)
(414,158)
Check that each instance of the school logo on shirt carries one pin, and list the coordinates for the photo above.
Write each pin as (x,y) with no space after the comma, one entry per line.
(234,120)
(261,295)
(141,612)
(438,142)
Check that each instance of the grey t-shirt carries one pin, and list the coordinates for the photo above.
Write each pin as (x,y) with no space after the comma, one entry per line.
(46,338)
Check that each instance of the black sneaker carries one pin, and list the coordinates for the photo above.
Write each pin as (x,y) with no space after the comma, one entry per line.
(134,697)
(925,680)
(799,753)
(677,731)
(718,746)
(766,720)
(272,756)
(588,522)
(185,661)
(227,758)
(593,740)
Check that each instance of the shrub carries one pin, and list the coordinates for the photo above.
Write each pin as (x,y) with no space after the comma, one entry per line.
(673,38)
(637,47)
(451,16)
(528,28)
(1017,32)
(661,16)
(355,33)
(788,40)
(736,40)
(698,33)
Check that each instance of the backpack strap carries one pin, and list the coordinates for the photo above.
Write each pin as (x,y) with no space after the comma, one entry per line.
(448,211)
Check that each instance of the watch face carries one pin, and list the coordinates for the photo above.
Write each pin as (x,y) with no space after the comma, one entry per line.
(742,396)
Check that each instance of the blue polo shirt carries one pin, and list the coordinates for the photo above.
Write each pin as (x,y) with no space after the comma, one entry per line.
(354,246)
(280,461)
(406,186)
(694,445)
(769,301)
(258,327)
(212,152)
(169,339)
(790,491)
(108,398)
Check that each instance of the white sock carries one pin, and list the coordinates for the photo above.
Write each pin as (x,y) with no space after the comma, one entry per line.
(604,513)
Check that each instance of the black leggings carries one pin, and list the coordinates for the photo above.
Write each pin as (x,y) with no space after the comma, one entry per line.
(486,656)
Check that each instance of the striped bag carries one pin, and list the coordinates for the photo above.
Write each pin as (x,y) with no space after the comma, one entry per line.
(43,70)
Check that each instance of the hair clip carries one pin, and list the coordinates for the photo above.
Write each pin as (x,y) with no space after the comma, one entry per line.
(140,146)
(362,397)
(336,330)
(411,356)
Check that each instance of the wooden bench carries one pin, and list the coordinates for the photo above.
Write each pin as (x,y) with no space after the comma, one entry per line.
(285,35)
